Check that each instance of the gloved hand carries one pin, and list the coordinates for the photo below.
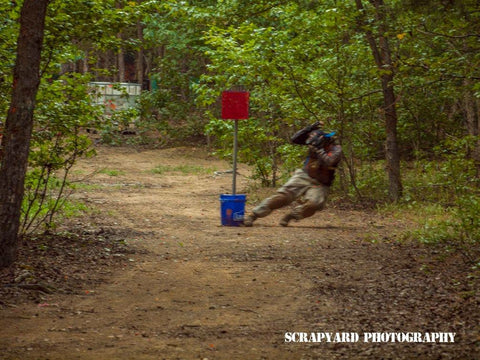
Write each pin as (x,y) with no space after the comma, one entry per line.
(314,126)
(318,141)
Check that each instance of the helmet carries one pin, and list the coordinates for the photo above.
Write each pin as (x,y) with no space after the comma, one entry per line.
(318,138)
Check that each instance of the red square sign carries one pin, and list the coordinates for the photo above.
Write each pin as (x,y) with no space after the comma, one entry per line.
(235,105)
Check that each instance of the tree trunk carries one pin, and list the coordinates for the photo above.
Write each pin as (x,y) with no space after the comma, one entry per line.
(392,154)
(471,114)
(85,67)
(381,54)
(476,154)
(19,125)
(140,55)
(476,151)
(121,63)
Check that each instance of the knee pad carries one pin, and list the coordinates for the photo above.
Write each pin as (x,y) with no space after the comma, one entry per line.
(279,200)
(309,208)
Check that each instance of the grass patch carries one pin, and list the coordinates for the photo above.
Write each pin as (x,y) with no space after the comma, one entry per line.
(183,169)
(71,208)
(112,172)
(86,187)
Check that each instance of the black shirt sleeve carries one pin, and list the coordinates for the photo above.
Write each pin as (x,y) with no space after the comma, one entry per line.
(301,136)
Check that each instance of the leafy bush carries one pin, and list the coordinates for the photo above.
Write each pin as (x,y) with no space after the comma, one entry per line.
(460,232)
(115,126)
(46,198)
(63,112)
(165,119)
(450,182)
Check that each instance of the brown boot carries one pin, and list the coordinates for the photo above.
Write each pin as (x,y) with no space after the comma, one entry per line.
(249,219)
(286,219)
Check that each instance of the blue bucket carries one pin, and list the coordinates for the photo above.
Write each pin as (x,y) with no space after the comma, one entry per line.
(232,209)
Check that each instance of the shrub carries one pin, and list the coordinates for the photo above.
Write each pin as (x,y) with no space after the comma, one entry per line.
(63,111)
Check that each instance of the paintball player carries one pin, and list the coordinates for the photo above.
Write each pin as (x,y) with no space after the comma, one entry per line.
(311,183)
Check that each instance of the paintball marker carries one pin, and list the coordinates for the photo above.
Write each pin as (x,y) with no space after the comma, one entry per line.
(319,138)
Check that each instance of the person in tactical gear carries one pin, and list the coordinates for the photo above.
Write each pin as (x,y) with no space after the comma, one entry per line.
(311,183)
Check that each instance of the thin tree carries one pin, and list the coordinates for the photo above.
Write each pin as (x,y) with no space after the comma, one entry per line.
(19,125)
(381,53)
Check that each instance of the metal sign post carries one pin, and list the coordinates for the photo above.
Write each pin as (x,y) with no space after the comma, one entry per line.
(235,151)
(235,107)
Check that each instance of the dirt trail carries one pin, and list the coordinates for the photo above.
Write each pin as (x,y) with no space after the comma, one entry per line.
(197,290)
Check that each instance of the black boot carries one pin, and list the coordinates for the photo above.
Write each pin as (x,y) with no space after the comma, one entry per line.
(249,219)
(286,219)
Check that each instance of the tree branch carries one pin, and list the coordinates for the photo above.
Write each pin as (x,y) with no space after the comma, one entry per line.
(297,90)
(434,33)
(365,95)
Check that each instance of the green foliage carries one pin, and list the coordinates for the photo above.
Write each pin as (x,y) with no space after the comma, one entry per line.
(175,30)
(371,182)
(450,184)
(300,64)
(459,232)
(254,55)
(46,200)
(451,175)
(301,61)
(64,109)
(460,191)
(251,132)
(8,33)
(112,172)
(115,128)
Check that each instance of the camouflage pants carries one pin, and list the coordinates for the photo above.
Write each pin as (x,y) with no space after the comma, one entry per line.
(299,186)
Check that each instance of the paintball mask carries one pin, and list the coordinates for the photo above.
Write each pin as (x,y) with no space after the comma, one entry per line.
(319,138)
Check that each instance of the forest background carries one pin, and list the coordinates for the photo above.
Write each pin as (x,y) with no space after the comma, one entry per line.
(397,80)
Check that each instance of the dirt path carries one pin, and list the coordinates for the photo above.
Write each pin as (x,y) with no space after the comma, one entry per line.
(197,290)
